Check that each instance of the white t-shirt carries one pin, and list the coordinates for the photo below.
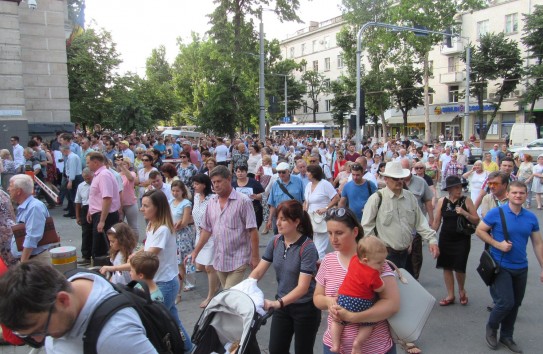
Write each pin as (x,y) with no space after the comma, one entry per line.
(445,159)
(221,153)
(321,196)
(164,239)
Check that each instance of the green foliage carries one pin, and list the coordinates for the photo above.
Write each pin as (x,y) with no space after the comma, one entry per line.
(343,101)
(315,84)
(92,59)
(495,58)
(533,35)
(275,82)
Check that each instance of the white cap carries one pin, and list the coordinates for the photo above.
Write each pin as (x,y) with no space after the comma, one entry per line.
(283,166)
(431,155)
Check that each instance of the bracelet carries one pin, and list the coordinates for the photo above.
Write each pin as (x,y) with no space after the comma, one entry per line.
(281,302)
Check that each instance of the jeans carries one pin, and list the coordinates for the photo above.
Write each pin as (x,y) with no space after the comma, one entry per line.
(507,292)
(300,320)
(169,290)
(326,349)
(131,214)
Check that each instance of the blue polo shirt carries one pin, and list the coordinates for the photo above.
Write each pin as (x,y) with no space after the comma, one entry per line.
(295,187)
(520,228)
(357,195)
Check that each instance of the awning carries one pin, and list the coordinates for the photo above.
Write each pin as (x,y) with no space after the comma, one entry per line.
(418,119)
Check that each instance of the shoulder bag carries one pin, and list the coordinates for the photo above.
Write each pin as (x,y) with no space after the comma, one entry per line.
(318,223)
(463,226)
(488,268)
(50,235)
(285,190)
(416,303)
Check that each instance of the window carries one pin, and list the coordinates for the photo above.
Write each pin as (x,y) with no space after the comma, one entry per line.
(305,107)
(508,119)
(430,68)
(326,64)
(316,107)
(339,61)
(303,49)
(326,42)
(453,93)
(430,98)
(328,105)
(327,83)
(511,23)
(315,65)
(304,68)
(291,52)
(314,46)
(451,64)
(482,28)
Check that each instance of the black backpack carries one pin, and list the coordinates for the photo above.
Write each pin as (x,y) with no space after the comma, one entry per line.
(161,328)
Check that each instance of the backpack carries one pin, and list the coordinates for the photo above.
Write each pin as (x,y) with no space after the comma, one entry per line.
(160,327)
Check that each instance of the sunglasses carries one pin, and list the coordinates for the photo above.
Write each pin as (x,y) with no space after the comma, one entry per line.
(335,213)
(313,161)
(492,184)
(356,167)
(419,168)
(182,157)
(282,172)
(145,160)
(396,179)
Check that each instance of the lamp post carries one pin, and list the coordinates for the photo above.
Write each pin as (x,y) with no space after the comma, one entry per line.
(261,93)
(410,29)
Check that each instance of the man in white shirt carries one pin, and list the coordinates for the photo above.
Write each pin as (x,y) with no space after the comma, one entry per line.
(444,160)
(221,152)
(156,183)
(18,156)
(81,209)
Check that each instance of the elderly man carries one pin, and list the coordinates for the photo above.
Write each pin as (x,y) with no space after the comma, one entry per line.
(230,218)
(285,188)
(301,167)
(507,165)
(32,213)
(104,202)
(394,215)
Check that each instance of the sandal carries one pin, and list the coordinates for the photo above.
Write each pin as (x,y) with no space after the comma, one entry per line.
(410,348)
(446,302)
(463,299)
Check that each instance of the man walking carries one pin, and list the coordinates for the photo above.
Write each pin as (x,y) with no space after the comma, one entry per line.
(509,287)
(231,219)
(356,193)
(72,164)
(81,210)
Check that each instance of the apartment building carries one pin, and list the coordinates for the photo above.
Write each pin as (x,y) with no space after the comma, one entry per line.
(317,45)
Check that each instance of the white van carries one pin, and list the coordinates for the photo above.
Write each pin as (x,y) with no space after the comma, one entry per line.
(522,134)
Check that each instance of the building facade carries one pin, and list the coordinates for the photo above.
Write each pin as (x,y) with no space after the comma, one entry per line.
(33,71)
(317,46)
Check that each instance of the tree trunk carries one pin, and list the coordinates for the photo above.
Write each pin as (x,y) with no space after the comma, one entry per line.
(405,123)
(384,126)
(427,136)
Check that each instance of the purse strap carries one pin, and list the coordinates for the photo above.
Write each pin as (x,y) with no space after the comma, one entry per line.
(284,189)
(504,225)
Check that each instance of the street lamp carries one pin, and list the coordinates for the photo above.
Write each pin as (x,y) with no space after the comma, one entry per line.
(409,29)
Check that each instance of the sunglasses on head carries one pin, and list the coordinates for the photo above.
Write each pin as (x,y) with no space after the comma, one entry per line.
(356,167)
(335,213)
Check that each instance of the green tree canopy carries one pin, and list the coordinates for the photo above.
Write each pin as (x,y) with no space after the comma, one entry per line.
(533,40)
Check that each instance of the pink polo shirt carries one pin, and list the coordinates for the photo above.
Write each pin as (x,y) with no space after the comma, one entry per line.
(103,185)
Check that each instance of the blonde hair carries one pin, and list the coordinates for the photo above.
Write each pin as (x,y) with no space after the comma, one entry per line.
(370,246)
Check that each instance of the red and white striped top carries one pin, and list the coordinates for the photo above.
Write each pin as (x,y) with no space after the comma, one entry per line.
(330,276)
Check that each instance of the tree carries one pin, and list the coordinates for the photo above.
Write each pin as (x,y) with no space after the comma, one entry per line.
(130,111)
(404,90)
(533,34)
(316,84)
(495,59)
(92,59)
(343,101)
(378,99)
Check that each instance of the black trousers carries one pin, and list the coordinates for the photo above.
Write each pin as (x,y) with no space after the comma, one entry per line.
(71,194)
(100,244)
(86,233)
(299,320)
(414,260)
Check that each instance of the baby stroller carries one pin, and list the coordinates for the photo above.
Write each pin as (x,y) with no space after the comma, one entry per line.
(230,317)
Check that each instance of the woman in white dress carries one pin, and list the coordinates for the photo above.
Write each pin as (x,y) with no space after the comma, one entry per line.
(255,160)
(537,186)
(475,177)
(202,193)
(320,195)
(525,174)
(143,175)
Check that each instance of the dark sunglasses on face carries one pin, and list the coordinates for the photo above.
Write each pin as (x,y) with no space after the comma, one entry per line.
(282,172)
(145,160)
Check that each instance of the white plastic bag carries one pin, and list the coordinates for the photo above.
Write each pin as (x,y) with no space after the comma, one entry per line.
(250,287)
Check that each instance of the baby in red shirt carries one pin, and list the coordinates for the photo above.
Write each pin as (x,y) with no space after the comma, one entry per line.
(357,292)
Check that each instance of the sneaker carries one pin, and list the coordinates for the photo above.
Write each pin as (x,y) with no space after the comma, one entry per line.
(491,338)
(84,261)
(511,345)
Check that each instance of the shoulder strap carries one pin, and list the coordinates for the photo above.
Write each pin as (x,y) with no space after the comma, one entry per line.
(275,240)
(285,190)
(380,200)
(504,225)
(305,243)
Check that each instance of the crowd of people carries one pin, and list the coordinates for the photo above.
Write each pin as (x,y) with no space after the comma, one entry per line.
(205,200)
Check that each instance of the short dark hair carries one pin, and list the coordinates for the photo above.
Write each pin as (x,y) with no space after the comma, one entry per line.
(32,143)
(507,159)
(518,184)
(96,156)
(145,263)
(29,288)
(153,174)
(242,167)
(316,171)
(503,176)
(15,137)
(67,136)
(221,171)
(294,210)
(179,184)
(203,179)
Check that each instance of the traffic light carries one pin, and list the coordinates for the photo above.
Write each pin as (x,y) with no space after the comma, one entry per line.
(274,105)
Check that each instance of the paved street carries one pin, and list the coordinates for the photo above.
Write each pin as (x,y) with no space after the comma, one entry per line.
(452,329)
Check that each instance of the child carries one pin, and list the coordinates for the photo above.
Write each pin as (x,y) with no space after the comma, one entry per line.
(357,292)
(122,242)
(143,266)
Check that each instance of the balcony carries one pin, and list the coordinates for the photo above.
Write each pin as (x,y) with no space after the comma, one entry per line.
(452,78)
(457,48)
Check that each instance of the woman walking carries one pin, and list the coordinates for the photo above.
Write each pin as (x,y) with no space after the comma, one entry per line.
(186,170)
(525,174)
(454,246)
(476,177)
(537,181)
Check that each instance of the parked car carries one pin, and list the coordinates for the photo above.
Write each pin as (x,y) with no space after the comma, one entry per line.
(535,148)
(475,152)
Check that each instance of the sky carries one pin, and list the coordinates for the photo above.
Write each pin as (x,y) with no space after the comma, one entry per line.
(139,26)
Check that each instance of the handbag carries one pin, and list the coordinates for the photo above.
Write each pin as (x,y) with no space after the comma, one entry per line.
(50,235)
(318,223)
(463,226)
(416,303)
(488,269)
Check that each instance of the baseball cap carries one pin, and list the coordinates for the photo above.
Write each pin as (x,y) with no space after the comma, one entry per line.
(283,166)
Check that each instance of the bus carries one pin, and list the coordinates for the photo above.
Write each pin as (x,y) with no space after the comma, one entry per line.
(316,130)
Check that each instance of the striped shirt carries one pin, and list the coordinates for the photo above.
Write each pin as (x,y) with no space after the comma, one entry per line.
(231,228)
(330,276)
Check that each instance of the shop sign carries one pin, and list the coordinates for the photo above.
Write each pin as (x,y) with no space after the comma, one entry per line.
(460,108)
